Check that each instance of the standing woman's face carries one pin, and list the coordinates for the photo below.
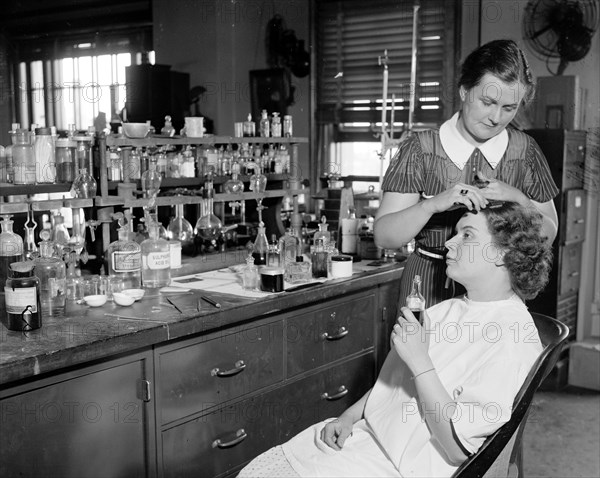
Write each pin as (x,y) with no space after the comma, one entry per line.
(488,108)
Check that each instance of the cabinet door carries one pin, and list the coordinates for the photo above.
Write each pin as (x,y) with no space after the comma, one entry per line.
(329,332)
(570,268)
(88,423)
(224,440)
(573,227)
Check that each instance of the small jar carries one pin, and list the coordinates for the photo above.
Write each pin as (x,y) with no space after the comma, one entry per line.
(45,157)
(287,126)
(23,158)
(65,160)
(22,296)
(341,266)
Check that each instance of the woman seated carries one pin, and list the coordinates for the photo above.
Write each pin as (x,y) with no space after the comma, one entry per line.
(445,386)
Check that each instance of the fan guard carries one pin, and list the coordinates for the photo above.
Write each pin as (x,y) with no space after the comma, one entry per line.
(560,29)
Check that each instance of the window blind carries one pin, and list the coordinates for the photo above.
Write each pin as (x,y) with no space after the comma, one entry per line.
(352,35)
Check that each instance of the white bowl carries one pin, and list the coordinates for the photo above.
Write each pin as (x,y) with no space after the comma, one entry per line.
(123,299)
(136,130)
(137,294)
(95,300)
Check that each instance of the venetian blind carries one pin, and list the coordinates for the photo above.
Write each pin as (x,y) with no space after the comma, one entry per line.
(352,35)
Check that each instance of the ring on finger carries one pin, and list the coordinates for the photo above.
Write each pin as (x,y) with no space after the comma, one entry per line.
(463,192)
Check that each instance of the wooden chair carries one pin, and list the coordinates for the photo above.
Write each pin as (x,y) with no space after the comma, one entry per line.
(500,455)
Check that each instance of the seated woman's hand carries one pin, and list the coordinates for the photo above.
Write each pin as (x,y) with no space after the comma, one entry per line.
(336,432)
(411,340)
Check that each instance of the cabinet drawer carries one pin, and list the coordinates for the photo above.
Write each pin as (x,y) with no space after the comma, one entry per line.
(574,161)
(574,216)
(229,437)
(570,268)
(329,333)
(199,375)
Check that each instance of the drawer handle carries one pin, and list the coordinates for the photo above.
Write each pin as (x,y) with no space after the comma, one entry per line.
(342,332)
(241,435)
(579,221)
(574,274)
(342,392)
(239,367)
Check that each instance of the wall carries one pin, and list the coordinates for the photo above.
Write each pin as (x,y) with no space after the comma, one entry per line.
(503,19)
(218,42)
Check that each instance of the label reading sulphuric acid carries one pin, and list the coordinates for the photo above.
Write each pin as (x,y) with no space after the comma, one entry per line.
(17,300)
(158,260)
(123,261)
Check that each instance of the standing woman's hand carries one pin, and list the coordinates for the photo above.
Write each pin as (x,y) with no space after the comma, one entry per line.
(411,340)
(499,191)
(458,194)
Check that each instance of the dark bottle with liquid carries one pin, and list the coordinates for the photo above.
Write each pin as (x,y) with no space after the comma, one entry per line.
(23,298)
(415,300)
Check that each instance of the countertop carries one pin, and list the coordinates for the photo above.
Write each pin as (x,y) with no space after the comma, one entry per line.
(85,334)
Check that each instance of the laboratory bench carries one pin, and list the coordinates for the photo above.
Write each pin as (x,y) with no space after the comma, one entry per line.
(186,388)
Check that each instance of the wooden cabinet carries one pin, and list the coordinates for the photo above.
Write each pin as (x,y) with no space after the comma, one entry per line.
(565,152)
(90,422)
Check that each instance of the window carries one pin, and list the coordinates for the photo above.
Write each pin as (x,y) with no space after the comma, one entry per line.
(353,38)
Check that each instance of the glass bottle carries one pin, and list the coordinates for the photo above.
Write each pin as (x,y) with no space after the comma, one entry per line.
(250,278)
(115,164)
(74,282)
(52,273)
(22,297)
(168,129)
(249,127)
(273,252)
(8,151)
(180,229)
(161,162)
(156,260)
(287,126)
(11,247)
(60,233)
(276,126)
(151,180)
(65,160)
(319,256)
(208,225)
(260,247)
(125,260)
(187,168)
(84,152)
(45,156)
(264,125)
(415,300)
(289,247)
(323,233)
(23,158)
(234,185)
(84,185)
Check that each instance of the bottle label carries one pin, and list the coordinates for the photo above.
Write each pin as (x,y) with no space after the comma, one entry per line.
(126,261)
(158,260)
(21,299)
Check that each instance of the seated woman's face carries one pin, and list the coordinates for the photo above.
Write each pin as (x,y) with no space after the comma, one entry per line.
(488,107)
(472,255)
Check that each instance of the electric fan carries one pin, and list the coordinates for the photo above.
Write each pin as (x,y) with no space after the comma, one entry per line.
(560,29)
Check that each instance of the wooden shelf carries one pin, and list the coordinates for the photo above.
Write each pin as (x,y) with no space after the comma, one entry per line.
(9,189)
(114,140)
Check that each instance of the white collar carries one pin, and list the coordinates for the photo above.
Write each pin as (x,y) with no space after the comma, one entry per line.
(459,149)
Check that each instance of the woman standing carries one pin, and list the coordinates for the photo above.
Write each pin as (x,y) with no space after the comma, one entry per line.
(474,157)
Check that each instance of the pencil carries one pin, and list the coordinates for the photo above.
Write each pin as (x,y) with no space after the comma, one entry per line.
(211,302)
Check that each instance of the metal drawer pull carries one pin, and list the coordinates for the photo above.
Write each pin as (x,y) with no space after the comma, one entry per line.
(579,221)
(241,435)
(342,392)
(342,332)
(574,274)
(239,367)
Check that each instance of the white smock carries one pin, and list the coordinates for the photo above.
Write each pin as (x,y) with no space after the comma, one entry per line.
(482,353)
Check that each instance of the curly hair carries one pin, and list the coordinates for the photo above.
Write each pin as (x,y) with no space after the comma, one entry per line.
(501,58)
(527,254)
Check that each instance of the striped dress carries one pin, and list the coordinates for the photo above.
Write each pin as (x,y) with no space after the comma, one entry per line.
(421,165)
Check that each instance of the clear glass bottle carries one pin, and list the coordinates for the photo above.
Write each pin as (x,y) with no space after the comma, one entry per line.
(289,247)
(323,233)
(249,127)
(84,185)
(60,233)
(234,185)
(84,152)
(264,125)
(8,151)
(65,160)
(273,253)
(151,180)
(260,247)
(22,298)
(187,168)
(52,273)
(115,164)
(45,156)
(415,300)
(180,229)
(11,247)
(74,282)
(319,258)
(168,129)
(156,260)
(23,155)
(125,259)
(288,126)
(250,278)
(161,162)
(276,126)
